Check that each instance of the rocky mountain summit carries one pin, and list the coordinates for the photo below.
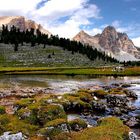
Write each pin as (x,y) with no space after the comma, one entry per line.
(111,42)
(22,23)
(84,38)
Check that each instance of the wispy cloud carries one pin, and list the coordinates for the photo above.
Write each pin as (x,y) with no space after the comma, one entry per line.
(132,29)
(63,17)
(133,9)
(77,13)
(136,41)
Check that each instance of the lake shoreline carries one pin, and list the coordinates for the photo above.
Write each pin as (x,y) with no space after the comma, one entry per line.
(70,71)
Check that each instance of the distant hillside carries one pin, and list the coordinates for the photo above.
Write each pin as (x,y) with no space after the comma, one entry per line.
(16,40)
(51,56)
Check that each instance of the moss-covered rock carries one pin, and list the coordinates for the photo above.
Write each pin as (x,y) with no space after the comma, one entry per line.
(54,128)
(23,113)
(2,110)
(100,93)
(13,124)
(23,103)
(109,129)
(28,115)
(84,96)
(49,133)
(75,103)
(49,99)
(63,136)
(60,124)
(4,120)
(116,91)
(77,124)
(37,138)
(56,122)
(50,112)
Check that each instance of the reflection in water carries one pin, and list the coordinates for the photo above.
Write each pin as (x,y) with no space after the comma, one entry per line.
(61,84)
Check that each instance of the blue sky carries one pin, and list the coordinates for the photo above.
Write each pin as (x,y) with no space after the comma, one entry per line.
(126,11)
(124,14)
(67,17)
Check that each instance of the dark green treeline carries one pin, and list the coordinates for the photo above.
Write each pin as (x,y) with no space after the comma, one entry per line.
(16,37)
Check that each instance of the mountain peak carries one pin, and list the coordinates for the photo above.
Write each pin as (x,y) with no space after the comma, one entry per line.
(22,23)
(110,28)
(111,42)
(82,33)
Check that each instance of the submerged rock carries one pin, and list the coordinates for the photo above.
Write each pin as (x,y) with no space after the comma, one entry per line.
(131,94)
(132,122)
(132,136)
(125,85)
(116,111)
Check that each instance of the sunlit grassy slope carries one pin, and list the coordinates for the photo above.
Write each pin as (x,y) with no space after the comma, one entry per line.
(38,56)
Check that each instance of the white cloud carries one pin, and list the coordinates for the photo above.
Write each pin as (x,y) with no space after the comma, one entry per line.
(131,29)
(79,13)
(94,31)
(74,14)
(22,6)
(55,7)
(136,41)
(116,23)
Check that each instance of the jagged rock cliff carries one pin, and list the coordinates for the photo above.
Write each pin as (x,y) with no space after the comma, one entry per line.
(113,43)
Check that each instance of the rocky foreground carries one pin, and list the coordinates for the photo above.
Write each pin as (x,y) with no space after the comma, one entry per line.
(33,114)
